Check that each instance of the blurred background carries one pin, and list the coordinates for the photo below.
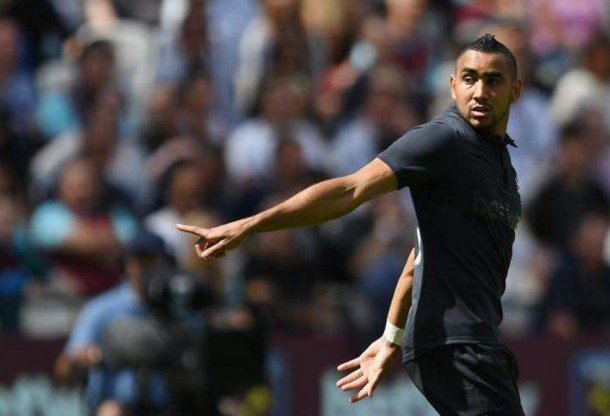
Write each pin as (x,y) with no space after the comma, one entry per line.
(120,118)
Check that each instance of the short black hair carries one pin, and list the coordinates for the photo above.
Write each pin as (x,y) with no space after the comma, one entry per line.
(488,44)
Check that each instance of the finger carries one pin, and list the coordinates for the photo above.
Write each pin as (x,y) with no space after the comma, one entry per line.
(200,246)
(349,378)
(349,364)
(358,384)
(373,383)
(193,229)
(361,395)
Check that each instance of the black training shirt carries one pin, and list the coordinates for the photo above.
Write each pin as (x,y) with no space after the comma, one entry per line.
(466,198)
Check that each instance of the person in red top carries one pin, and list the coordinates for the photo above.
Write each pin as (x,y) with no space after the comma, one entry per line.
(82,235)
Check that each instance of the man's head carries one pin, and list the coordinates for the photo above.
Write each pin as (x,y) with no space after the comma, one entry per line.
(145,253)
(485,84)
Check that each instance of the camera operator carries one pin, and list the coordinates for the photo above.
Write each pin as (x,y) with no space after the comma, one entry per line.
(112,390)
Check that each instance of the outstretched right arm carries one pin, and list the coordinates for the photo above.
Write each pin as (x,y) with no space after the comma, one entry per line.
(317,204)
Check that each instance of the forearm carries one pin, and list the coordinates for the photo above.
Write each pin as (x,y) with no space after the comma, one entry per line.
(324,201)
(401,301)
(315,205)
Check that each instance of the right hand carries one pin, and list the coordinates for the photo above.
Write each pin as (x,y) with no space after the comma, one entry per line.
(368,369)
(215,242)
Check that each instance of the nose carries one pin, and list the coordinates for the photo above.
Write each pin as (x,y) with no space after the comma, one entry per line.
(480,90)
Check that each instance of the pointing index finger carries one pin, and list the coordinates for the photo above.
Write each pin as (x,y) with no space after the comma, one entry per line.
(191,229)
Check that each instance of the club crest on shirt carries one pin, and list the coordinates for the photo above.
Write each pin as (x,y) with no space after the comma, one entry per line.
(494,210)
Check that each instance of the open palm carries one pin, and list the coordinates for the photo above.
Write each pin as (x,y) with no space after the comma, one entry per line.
(368,369)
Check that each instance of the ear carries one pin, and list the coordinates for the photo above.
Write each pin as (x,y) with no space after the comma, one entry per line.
(452,83)
(516,93)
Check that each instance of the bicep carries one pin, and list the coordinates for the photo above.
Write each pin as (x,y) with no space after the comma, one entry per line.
(373,180)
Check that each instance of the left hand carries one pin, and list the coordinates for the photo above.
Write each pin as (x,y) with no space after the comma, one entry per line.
(368,369)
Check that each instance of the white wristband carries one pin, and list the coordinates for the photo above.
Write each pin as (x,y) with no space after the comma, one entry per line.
(393,334)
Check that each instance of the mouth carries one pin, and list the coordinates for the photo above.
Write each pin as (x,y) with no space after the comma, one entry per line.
(480,111)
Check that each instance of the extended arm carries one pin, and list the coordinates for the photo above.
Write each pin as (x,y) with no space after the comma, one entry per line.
(375,362)
(319,203)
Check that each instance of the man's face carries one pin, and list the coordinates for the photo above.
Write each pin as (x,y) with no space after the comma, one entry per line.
(483,89)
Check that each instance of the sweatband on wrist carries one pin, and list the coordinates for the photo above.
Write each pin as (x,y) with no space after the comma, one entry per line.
(393,334)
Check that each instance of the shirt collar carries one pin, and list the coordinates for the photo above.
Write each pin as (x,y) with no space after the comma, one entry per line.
(506,140)
(509,140)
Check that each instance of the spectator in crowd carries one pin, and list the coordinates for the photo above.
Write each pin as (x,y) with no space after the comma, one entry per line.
(82,232)
(561,23)
(335,21)
(578,297)
(195,117)
(59,111)
(190,51)
(569,194)
(44,30)
(586,85)
(385,115)
(190,188)
(17,93)
(134,47)
(198,35)
(250,148)
(111,392)
(411,28)
(160,124)
(276,44)
(116,158)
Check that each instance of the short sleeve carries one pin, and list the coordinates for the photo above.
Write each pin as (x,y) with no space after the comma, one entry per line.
(422,155)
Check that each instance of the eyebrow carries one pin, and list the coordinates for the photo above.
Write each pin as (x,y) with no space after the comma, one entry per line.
(488,74)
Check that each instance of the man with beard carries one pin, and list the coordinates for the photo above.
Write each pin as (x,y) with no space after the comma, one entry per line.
(466,198)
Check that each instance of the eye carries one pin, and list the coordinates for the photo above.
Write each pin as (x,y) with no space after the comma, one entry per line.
(468,80)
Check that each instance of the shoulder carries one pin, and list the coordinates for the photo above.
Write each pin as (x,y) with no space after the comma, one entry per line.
(450,122)
(441,131)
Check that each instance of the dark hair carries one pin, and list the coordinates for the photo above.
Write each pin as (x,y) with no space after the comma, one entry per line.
(488,44)
(99,45)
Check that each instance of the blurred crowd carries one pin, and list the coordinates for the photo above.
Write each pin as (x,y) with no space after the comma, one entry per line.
(118,115)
